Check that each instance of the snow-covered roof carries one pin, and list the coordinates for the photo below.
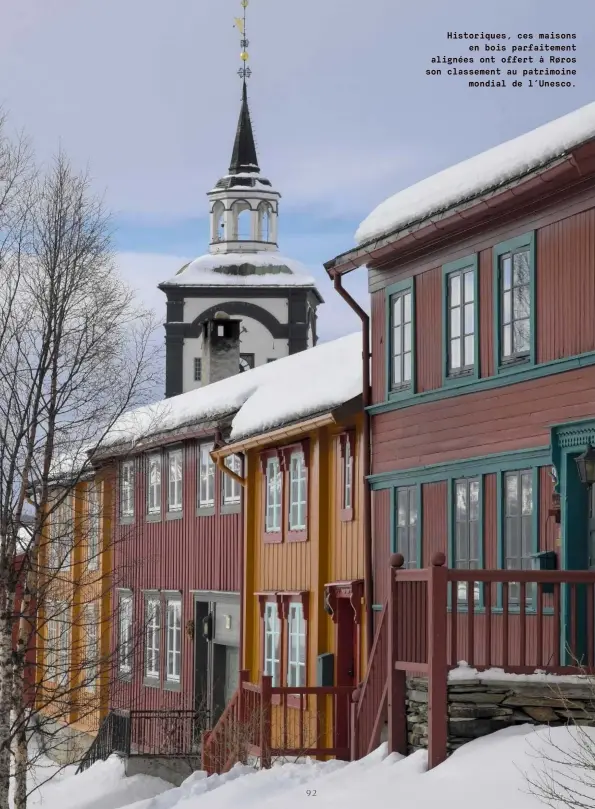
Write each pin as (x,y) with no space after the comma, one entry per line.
(480,174)
(261,269)
(291,388)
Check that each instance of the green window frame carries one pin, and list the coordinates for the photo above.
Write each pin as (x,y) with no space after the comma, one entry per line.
(465,527)
(460,321)
(400,339)
(514,303)
(406,524)
(512,520)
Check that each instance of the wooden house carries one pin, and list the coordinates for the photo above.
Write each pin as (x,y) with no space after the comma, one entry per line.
(482,283)
(304,640)
(72,672)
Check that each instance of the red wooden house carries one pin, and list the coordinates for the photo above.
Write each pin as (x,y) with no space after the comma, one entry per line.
(482,284)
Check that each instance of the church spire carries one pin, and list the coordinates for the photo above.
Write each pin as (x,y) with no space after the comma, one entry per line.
(243,158)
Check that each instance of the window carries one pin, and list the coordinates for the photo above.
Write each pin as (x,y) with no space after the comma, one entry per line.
(406,524)
(127,490)
(298,491)
(467,530)
(232,490)
(125,634)
(94,517)
(154,485)
(347,474)
(152,634)
(206,477)
(92,646)
(61,535)
(461,321)
(515,304)
(273,496)
(173,645)
(57,649)
(174,502)
(296,656)
(272,642)
(518,520)
(246,362)
(401,316)
(271,359)
(197,369)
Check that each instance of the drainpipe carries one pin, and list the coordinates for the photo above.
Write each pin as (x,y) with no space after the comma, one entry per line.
(365,319)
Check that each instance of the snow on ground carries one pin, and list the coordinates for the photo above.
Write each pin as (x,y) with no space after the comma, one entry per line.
(288,389)
(210,270)
(492,772)
(480,174)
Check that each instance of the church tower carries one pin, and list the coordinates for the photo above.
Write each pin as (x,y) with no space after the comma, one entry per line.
(243,276)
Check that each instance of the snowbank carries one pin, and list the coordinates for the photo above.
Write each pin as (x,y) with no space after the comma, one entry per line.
(480,174)
(210,270)
(490,772)
(290,388)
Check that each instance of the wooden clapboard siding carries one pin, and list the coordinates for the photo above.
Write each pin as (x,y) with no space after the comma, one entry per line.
(428,330)
(510,418)
(381,546)
(378,346)
(434,520)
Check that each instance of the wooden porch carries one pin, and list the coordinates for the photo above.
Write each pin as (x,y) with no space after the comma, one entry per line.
(436,617)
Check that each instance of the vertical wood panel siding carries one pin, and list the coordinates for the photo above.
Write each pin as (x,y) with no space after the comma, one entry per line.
(486,313)
(434,520)
(428,330)
(187,554)
(381,544)
(378,348)
(565,278)
(490,523)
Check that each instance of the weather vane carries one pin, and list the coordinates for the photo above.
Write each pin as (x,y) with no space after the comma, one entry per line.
(244,72)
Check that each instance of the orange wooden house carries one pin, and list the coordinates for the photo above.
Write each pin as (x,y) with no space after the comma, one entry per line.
(303,646)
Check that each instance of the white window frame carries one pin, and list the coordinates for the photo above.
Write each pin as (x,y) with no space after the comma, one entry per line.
(298,491)
(94,493)
(347,473)
(58,643)
(125,614)
(92,614)
(273,495)
(197,368)
(461,328)
(173,639)
(61,534)
(296,650)
(127,489)
(175,479)
(206,477)
(154,484)
(272,633)
(232,490)
(153,637)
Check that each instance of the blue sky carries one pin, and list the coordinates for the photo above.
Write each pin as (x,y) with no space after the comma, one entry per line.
(145,95)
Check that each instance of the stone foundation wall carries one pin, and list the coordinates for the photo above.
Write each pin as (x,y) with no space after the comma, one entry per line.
(477,707)
(61,743)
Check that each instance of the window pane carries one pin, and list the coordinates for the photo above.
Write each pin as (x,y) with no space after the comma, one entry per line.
(527,493)
(469,350)
(507,342)
(407,337)
(506,273)
(512,502)
(521,336)
(520,302)
(461,503)
(407,368)
(455,353)
(473,499)
(407,308)
(397,371)
(469,318)
(455,322)
(397,344)
(469,286)
(455,290)
(506,308)
(403,507)
(521,267)
(397,304)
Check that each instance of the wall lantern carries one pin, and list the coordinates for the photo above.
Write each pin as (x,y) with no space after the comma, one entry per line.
(585,463)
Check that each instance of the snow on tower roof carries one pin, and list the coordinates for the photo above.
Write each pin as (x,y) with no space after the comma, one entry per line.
(480,174)
(289,389)
(262,269)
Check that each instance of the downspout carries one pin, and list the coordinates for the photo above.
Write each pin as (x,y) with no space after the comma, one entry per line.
(367,517)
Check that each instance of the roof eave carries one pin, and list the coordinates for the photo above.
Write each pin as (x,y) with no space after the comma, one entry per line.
(421,230)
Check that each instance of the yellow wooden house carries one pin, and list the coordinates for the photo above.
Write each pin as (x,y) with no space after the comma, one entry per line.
(303,610)
(73,666)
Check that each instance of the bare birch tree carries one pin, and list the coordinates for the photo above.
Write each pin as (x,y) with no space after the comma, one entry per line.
(75,353)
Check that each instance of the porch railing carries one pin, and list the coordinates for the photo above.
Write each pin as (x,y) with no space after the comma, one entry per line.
(516,620)
(368,710)
(267,722)
(113,736)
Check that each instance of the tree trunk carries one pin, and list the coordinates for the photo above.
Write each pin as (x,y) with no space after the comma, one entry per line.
(5,701)
(20,749)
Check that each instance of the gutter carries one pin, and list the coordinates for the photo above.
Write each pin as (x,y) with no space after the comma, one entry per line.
(367,516)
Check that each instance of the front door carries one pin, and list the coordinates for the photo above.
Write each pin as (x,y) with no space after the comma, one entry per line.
(346,664)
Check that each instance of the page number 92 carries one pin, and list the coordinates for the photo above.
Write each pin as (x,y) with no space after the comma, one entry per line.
(311,793)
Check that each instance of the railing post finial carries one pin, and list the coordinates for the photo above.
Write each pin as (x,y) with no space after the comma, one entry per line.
(397,560)
(438,559)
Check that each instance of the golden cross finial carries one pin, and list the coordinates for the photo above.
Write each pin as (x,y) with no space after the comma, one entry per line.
(240,22)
